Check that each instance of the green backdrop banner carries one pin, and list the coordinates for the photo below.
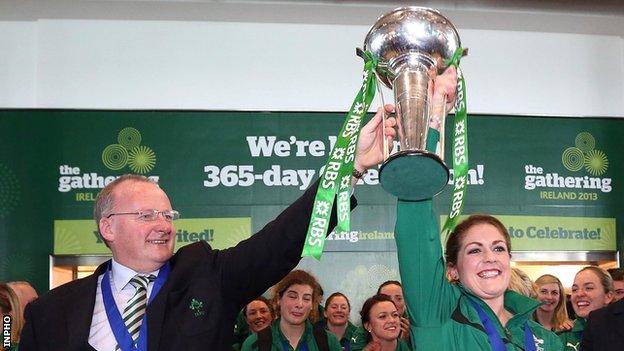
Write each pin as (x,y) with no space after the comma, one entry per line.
(553,181)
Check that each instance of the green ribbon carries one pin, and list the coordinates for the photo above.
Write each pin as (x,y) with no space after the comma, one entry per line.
(337,173)
(460,150)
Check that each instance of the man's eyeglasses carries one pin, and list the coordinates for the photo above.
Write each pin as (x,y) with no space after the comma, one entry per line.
(150,215)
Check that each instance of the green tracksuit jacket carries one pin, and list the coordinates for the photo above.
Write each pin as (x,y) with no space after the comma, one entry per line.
(571,339)
(358,341)
(345,342)
(442,317)
(278,338)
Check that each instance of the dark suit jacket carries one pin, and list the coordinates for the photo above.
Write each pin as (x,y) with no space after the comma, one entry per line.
(223,281)
(604,330)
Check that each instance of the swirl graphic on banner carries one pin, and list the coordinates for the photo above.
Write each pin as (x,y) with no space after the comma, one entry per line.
(141,159)
(585,141)
(16,266)
(10,190)
(115,157)
(584,155)
(128,152)
(573,159)
(596,162)
(129,137)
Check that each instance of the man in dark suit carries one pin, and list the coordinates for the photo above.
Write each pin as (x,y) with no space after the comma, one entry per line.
(604,330)
(194,295)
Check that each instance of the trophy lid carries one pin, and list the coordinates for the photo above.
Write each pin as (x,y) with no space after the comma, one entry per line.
(412,31)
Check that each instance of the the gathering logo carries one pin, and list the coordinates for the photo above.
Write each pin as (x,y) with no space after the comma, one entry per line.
(128,151)
(582,156)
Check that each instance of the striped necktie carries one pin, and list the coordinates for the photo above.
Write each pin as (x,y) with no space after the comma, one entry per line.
(135,307)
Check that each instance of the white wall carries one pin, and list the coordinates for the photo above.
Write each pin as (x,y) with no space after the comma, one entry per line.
(109,64)
(18,62)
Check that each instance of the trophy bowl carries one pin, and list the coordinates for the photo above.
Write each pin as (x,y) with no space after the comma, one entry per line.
(413,45)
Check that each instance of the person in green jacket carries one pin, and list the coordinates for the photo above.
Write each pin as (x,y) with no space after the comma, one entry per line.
(592,289)
(394,289)
(292,331)
(381,326)
(475,311)
(337,311)
(255,316)
(552,313)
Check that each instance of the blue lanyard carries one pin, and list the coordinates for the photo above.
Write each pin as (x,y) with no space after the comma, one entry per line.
(122,336)
(346,345)
(286,346)
(494,337)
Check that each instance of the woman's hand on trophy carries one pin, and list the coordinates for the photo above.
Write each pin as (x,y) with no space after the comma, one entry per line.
(442,95)
(445,85)
(370,150)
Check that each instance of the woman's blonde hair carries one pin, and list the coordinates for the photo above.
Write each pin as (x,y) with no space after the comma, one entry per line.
(560,314)
(521,283)
(9,305)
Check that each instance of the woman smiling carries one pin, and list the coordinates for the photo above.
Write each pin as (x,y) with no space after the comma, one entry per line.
(476,311)
(592,289)
(337,311)
(382,323)
(552,313)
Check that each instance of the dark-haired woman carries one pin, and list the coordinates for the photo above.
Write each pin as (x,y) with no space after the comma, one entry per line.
(255,316)
(394,289)
(592,289)
(382,324)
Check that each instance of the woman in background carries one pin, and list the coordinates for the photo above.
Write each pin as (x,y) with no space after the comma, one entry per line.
(296,296)
(10,306)
(382,324)
(255,316)
(522,284)
(259,314)
(337,312)
(552,313)
(592,290)
(394,289)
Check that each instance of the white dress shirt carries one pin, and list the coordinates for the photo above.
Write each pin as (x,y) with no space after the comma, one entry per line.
(101,335)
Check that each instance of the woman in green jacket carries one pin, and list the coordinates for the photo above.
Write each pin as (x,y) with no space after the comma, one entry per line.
(381,325)
(337,311)
(475,311)
(592,289)
(552,313)
(292,331)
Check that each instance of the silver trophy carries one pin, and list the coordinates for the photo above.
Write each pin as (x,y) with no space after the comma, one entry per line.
(412,45)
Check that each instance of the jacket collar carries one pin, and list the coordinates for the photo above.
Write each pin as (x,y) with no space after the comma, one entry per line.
(520,306)
(278,336)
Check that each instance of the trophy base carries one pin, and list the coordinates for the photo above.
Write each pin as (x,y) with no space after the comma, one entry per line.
(414,175)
